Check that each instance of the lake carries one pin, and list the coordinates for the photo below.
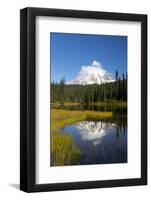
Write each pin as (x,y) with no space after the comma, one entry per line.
(100,142)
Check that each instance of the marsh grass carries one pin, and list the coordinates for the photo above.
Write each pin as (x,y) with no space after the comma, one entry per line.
(60,118)
(63,149)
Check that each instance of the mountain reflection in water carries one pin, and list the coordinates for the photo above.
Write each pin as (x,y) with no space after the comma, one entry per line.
(93,131)
(100,142)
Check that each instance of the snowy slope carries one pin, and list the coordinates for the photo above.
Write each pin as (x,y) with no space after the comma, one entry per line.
(92,74)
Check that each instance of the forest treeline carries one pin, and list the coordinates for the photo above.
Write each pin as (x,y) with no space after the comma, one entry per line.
(89,94)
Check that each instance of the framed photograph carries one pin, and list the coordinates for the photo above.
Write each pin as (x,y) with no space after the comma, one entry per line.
(83,99)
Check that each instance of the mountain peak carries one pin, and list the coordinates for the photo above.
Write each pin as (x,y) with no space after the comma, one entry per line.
(92,74)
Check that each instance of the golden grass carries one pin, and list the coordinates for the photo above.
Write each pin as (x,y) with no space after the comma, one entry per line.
(60,118)
(63,150)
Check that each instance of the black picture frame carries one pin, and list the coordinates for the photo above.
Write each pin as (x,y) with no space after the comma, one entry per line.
(28,98)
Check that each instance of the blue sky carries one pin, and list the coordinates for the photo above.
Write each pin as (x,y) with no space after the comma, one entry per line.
(71,51)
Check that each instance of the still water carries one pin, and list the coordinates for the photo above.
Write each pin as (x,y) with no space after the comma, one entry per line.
(100,142)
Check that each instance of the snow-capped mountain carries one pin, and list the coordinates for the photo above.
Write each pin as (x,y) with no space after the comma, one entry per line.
(91,74)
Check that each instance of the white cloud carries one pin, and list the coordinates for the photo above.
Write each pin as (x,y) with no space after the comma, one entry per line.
(97,66)
(90,74)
